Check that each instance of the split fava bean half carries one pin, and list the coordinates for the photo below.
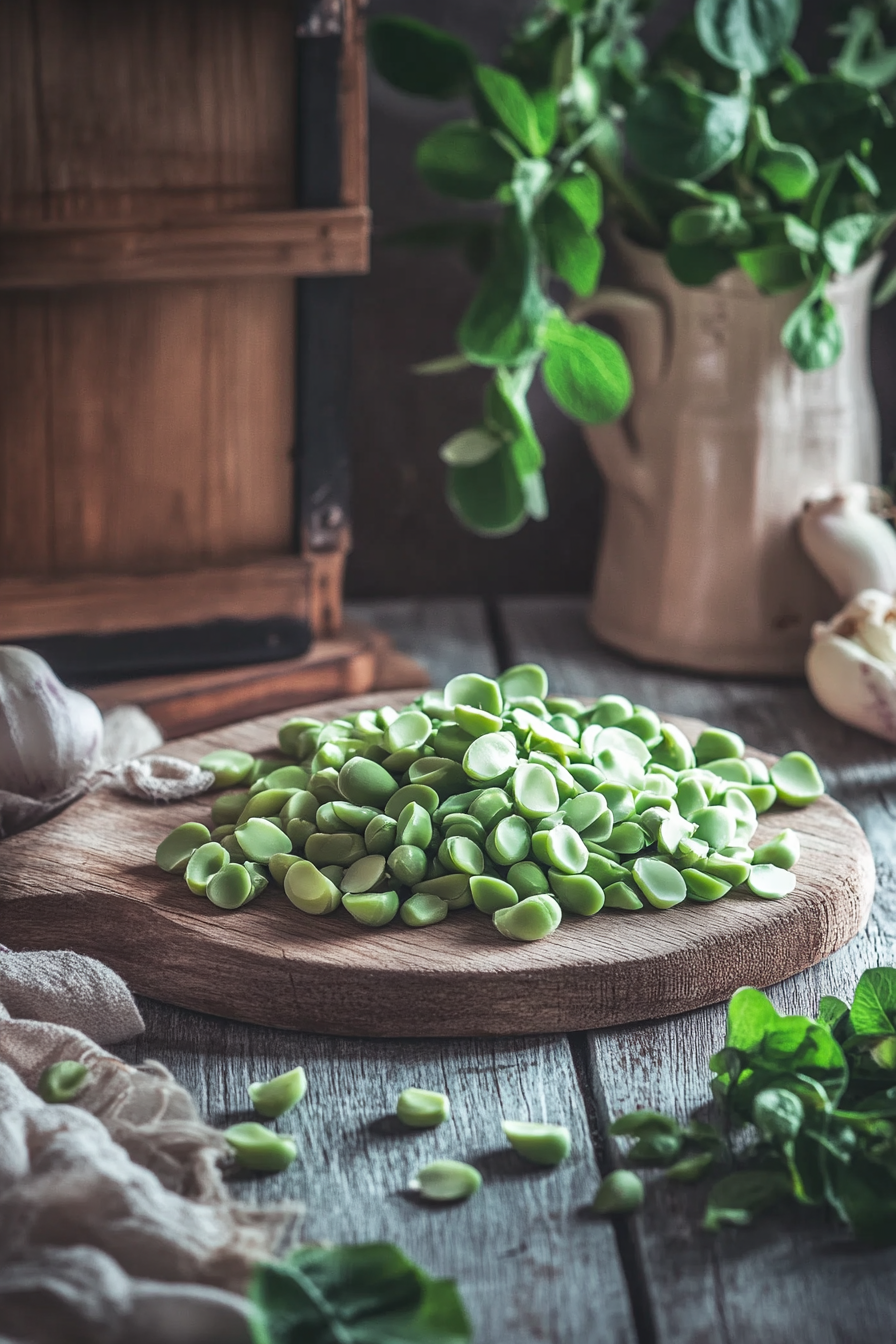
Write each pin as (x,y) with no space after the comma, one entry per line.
(423,909)
(419,1109)
(446,1180)
(530,919)
(539,1142)
(278,1095)
(176,850)
(259,1149)
(620,1192)
(310,890)
(61,1082)
(372,908)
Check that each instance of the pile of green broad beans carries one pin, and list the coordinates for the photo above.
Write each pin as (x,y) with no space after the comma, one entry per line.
(494,794)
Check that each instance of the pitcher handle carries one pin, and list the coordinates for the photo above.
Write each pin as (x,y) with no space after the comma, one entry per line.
(643,322)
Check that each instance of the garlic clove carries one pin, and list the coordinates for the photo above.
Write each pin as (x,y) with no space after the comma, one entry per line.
(849,541)
(50,737)
(849,681)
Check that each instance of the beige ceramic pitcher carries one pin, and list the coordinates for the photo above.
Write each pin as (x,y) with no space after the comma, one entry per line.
(700,564)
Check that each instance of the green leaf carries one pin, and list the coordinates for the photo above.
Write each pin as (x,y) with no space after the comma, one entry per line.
(461,159)
(419,59)
(789,170)
(572,250)
(507,414)
(690,1168)
(747,34)
(864,59)
(583,193)
(867,1193)
(826,116)
(873,1010)
(831,1010)
(584,371)
(697,224)
(886,290)
(533,125)
(698,265)
(469,448)
(502,323)
(637,1123)
(863,174)
(487,498)
(773,269)
(812,334)
(737,1198)
(843,241)
(800,234)
(676,130)
(751,1016)
(530,177)
(369,1294)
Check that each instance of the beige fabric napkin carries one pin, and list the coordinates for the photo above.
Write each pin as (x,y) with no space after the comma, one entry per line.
(115,1223)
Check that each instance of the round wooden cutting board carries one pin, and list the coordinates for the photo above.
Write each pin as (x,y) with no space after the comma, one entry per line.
(87,880)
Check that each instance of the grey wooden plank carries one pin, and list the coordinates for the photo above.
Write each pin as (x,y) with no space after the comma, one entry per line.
(530,1261)
(447,635)
(793,1275)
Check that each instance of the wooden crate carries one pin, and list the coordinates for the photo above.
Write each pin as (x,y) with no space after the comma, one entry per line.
(170,398)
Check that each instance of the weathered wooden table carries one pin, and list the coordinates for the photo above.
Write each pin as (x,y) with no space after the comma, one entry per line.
(532,1262)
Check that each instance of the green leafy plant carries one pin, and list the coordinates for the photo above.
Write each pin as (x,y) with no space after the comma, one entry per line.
(809,1113)
(368,1294)
(722,150)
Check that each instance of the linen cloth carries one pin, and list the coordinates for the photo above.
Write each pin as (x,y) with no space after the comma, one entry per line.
(115,1223)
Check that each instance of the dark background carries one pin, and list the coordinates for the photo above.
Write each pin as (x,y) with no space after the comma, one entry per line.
(406,541)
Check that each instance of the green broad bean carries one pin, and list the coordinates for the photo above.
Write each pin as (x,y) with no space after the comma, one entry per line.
(525,679)
(262,766)
(300,806)
(651,810)
(622,896)
(490,806)
(564,704)
(535,791)
(221,831)
(61,1082)
(414,826)
(532,918)
(714,744)
(715,825)
(407,864)
(335,872)
(588,776)
(471,688)
(548,823)
(204,862)
(433,704)
(733,871)
(601,828)
(276,1096)
(758,770)
(234,848)
(565,723)
(229,767)
(527,879)
(593,847)
(291,731)
(530,703)
(620,1192)
(690,851)
(379,836)
(435,868)
(324,784)
(703,887)
(455,802)
(476,722)
(365,783)
(279,865)
(419,1109)
(663,886)
(328,823)
(620,740)
(410,730)
(628,838)
(377,753)
(287,777)
(490,757)
(783,851)
(423,909)
(420,794)
(743,833)
(619,799)
(386,715)
(741,852)
(298,832)
(576,893)
(567,787)
(372,908)
(604,870)
(260,839)
(620,767)
(657,769)
(439,773)
(366,726)
(730,768)
(364,874)
(227,807)
(510,841)
(584,810)
(230,887)
(330,755)
(673,750)
(352,817)
(259,876)
(461,855)
(762,796)
(537,1141)
(660,784)
(770,882)
(644,723)
(671,831)
(736,801)
(310,890)
(797,780)
(566,850)
(445,1181)
(176,850)
(258,1149)
(461,823)
(491,894)
(452,741)
(539,847)
(610,710)
(344,848)
(399,762)
(452,888)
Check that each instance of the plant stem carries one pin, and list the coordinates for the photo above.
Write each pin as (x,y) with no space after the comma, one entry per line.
(626,191)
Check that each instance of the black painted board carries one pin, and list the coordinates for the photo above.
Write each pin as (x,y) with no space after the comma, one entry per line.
(532,1262)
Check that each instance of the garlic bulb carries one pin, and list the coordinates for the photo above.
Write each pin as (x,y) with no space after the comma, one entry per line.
(50,737)
(849,541)
(851,664)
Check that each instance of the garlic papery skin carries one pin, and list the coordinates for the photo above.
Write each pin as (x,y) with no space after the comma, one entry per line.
(851,664)
(51,737)
(849,541)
